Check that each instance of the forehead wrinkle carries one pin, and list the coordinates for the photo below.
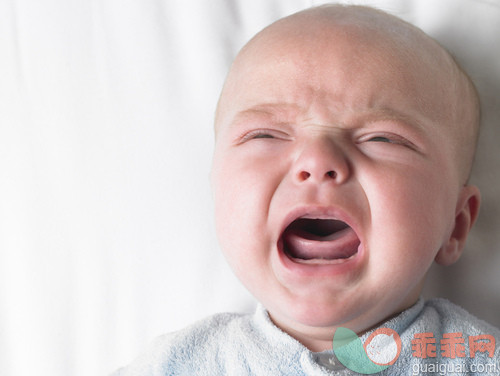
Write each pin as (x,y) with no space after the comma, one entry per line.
(293,115)
(352,116)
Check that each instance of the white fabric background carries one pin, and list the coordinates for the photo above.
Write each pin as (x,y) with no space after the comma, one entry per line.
(106,231)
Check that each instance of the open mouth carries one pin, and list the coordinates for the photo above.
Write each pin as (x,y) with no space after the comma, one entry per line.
(319,240)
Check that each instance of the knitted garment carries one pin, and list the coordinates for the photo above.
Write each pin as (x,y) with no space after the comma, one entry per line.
(437,337)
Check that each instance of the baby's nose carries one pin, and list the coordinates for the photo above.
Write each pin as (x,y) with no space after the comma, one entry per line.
(321,160)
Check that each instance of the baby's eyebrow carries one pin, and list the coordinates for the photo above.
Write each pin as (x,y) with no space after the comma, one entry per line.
(275,113)
(387,114)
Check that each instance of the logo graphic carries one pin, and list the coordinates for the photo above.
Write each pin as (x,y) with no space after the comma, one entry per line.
(380,350)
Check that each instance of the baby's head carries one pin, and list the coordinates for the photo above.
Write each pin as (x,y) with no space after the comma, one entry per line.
(344,142)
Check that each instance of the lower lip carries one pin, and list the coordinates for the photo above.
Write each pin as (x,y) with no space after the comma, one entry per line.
(317,267)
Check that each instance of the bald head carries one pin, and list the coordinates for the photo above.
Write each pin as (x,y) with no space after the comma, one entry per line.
(364,37)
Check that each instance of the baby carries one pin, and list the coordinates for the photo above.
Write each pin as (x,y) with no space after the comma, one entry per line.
(344,143)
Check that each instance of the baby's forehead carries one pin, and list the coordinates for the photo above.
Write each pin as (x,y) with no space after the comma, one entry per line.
(319,53)
(315,34)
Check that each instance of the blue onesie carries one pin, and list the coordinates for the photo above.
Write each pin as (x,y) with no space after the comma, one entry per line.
(437,338)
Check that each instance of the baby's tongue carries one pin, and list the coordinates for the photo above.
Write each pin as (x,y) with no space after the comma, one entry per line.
(302,243)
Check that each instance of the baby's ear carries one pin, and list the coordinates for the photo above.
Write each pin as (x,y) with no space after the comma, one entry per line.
(465,216)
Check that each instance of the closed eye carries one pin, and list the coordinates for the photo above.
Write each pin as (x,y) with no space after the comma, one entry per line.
(263,134)
(380,139)
(389,139)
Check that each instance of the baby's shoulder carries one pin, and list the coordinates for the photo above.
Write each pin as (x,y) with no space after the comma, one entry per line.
(205,329)
(190,349)
(453,318)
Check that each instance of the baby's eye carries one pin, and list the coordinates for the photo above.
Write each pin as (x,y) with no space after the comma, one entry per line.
(263,134)
(387,138)
(380,139)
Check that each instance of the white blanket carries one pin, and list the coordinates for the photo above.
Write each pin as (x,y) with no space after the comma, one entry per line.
(106,231)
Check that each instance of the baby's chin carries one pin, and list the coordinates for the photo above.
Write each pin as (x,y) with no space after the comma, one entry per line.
(324,317)
(303,314)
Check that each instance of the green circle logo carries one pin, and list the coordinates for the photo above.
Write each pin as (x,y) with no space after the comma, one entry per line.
(380,350)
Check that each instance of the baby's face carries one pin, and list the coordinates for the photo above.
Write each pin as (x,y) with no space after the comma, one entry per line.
(334,177)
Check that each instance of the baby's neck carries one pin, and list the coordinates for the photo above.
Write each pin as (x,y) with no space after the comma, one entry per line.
(316,339)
